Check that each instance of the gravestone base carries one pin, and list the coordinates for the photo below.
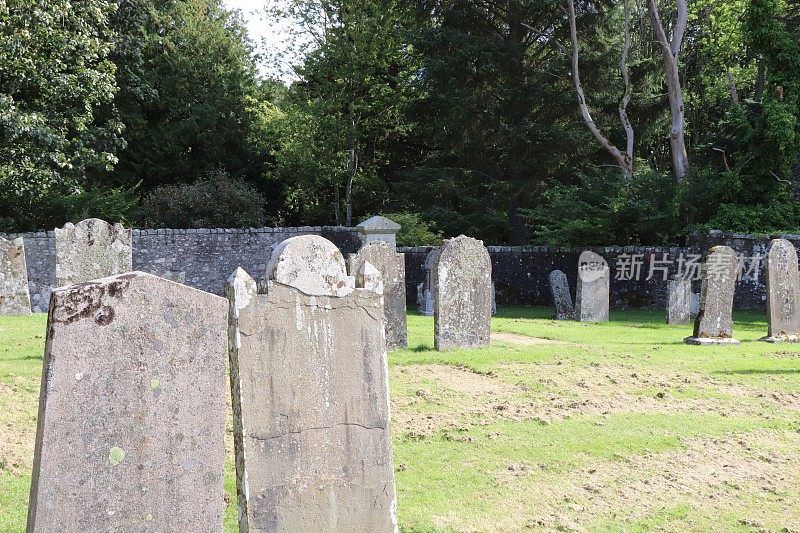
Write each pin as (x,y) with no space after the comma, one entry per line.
(781,339)
(707,341)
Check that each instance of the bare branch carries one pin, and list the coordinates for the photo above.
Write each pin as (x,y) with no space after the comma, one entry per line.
(680,28)
(622,161)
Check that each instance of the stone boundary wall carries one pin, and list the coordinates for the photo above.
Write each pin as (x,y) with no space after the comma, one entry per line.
(520,273)
(204,258)
(200,258)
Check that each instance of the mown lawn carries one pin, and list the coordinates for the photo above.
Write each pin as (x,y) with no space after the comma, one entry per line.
(558,426)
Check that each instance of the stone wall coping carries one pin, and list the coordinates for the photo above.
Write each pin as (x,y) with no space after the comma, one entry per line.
(149,232)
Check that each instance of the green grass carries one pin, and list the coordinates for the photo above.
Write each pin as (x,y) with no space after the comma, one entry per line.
(547,436)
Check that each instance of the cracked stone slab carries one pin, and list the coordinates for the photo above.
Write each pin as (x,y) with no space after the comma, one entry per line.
(392,266)
(131,421)
(714,321)
(92,249)
(310,392)
(311,264)
(462,294)
(783,292)
(14,294)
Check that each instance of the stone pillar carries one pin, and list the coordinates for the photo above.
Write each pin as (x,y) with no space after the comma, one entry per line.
(714,322)
(380,229)
(560,295)
(679,301)
(14,295)
(783,292)
(592,294)
(392,267)
(462,294)
(92,249)
(131,426)
(309,381)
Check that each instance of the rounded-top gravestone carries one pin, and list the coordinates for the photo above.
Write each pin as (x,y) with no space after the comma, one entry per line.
(92,249)
(462,294)
(783,292)
(311,264)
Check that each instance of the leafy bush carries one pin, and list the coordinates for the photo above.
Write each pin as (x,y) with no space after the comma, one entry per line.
(216,201)
(758,219)
(414,231)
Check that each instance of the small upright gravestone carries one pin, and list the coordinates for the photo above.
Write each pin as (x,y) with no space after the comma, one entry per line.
(714,321)
(392,267)
(783,293)
(309,383)
(462,294)
(592,294)
(679,301)
(14,295)
(92,249)
(560,295)
(131,431)
(425,289)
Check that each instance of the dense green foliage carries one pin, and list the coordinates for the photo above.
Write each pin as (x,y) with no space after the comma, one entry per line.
(460,115)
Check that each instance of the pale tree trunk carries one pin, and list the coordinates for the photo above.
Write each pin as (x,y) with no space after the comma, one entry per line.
(625,161)
(670,52)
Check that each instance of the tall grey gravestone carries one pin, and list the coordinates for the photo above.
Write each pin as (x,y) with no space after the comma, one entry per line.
(309,381)
(714,321)
(462,294)
(14,294)
(592,294)
(560,295)
(679,301)
(92,249)
(392,267)
(131,427)
(783,293)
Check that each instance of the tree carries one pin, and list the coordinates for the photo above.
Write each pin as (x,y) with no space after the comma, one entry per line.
(56,79)
(625,161)
(186,78)
(353,85)
(670,50)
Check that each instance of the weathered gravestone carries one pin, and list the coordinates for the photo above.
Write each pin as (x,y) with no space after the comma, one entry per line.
(462,294)
(392,267)
(14,295)
(679,301)
(714,322)
(592,294)
(310,393)
(131,421)
(560,295)
(783,293)
(92,249)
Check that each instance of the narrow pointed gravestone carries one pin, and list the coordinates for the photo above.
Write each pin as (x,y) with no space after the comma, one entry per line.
(14,295)
(92,249)
(392,267)
(783,293)
(679,301)
(131,420)
(462,294)
(714,321)
(310,393)
(592,294)
(560,295)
